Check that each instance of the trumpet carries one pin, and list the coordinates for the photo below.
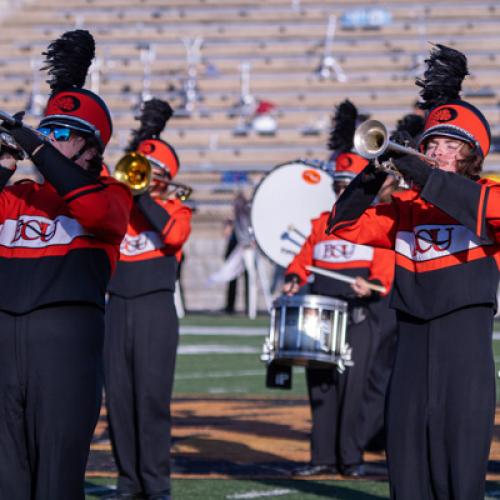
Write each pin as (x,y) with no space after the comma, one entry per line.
(135,170)
(371,139)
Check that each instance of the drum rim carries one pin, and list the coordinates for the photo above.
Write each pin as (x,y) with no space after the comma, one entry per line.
(305,163)
(311,300)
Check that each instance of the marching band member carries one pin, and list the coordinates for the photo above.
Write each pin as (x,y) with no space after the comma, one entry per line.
(59,243)
(407,130)
(441,401)
(142,328)
(336,398)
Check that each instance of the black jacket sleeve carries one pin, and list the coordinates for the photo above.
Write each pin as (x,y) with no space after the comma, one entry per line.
(413,168)
(156,215)
(65,175)
(357,197)
(5,175)
(460,197)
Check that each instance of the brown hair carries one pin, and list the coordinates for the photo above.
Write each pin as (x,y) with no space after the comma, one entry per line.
(472,164)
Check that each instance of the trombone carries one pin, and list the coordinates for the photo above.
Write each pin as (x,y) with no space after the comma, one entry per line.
(371,139)
(135,170)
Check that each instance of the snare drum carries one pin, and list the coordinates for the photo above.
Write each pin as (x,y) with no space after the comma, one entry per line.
(308,330)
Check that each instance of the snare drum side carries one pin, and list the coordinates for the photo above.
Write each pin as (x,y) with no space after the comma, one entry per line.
(305,330)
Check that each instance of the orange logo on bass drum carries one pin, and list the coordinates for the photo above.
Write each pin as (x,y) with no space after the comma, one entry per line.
(311,176)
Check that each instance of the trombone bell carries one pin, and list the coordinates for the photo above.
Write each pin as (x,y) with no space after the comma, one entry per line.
(134,169)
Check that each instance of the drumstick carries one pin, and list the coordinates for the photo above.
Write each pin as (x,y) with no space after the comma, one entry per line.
(292,228)
(342,277)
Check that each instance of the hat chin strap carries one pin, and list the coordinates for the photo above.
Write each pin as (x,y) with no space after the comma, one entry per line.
(79,154)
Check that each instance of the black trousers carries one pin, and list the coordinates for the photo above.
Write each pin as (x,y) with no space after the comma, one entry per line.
(50,393)
(381,361)
(336,401)
(139,359)
(441,406)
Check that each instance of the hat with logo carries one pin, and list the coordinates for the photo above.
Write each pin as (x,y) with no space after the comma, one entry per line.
(347,163)
(67,60)
(448,114)
(154,116)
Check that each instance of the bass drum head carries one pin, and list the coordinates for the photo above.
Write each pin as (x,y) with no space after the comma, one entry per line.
(283,205)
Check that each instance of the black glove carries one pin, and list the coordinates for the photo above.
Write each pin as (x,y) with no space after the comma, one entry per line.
(413,168)
(403,138)
(7,125)
(27,138)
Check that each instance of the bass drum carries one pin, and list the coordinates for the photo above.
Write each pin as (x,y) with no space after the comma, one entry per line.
(283,204)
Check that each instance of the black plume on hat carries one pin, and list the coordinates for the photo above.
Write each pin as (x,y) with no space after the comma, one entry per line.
(411,123)
(442,82)
(343,126)
(154,116)
(68,59)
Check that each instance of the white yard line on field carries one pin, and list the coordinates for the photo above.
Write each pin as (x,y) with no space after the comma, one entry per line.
(242,331)
(217,349)
(260,494)
(225,374)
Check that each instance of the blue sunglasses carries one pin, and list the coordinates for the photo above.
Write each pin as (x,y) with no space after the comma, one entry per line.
(60,133)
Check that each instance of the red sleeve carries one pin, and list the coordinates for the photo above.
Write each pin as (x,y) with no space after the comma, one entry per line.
(490,206)
(382,268)
(305,256)
(103,211)
(178,227)
(376,227)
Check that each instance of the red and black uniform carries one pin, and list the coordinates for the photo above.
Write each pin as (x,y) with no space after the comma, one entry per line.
(442,395)
(335,398)
(59,243)
(141,341)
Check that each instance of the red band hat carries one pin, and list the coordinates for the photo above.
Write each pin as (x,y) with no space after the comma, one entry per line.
(154,116)
(347,163)
(348,166)
(70,105)
(80,110)
(448,114)
(459,120)
(160,154)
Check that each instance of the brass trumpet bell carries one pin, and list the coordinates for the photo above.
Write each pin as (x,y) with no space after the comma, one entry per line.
(134,170)
(371,139)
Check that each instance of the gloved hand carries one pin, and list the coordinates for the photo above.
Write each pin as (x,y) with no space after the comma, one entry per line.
(291,285)
(8,122)
(403,138)
(26,137)
(413,168)
(371,174)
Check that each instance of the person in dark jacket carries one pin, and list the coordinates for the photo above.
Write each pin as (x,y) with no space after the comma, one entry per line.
(59,244)
(142,328)
(336,398)
(445,231)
